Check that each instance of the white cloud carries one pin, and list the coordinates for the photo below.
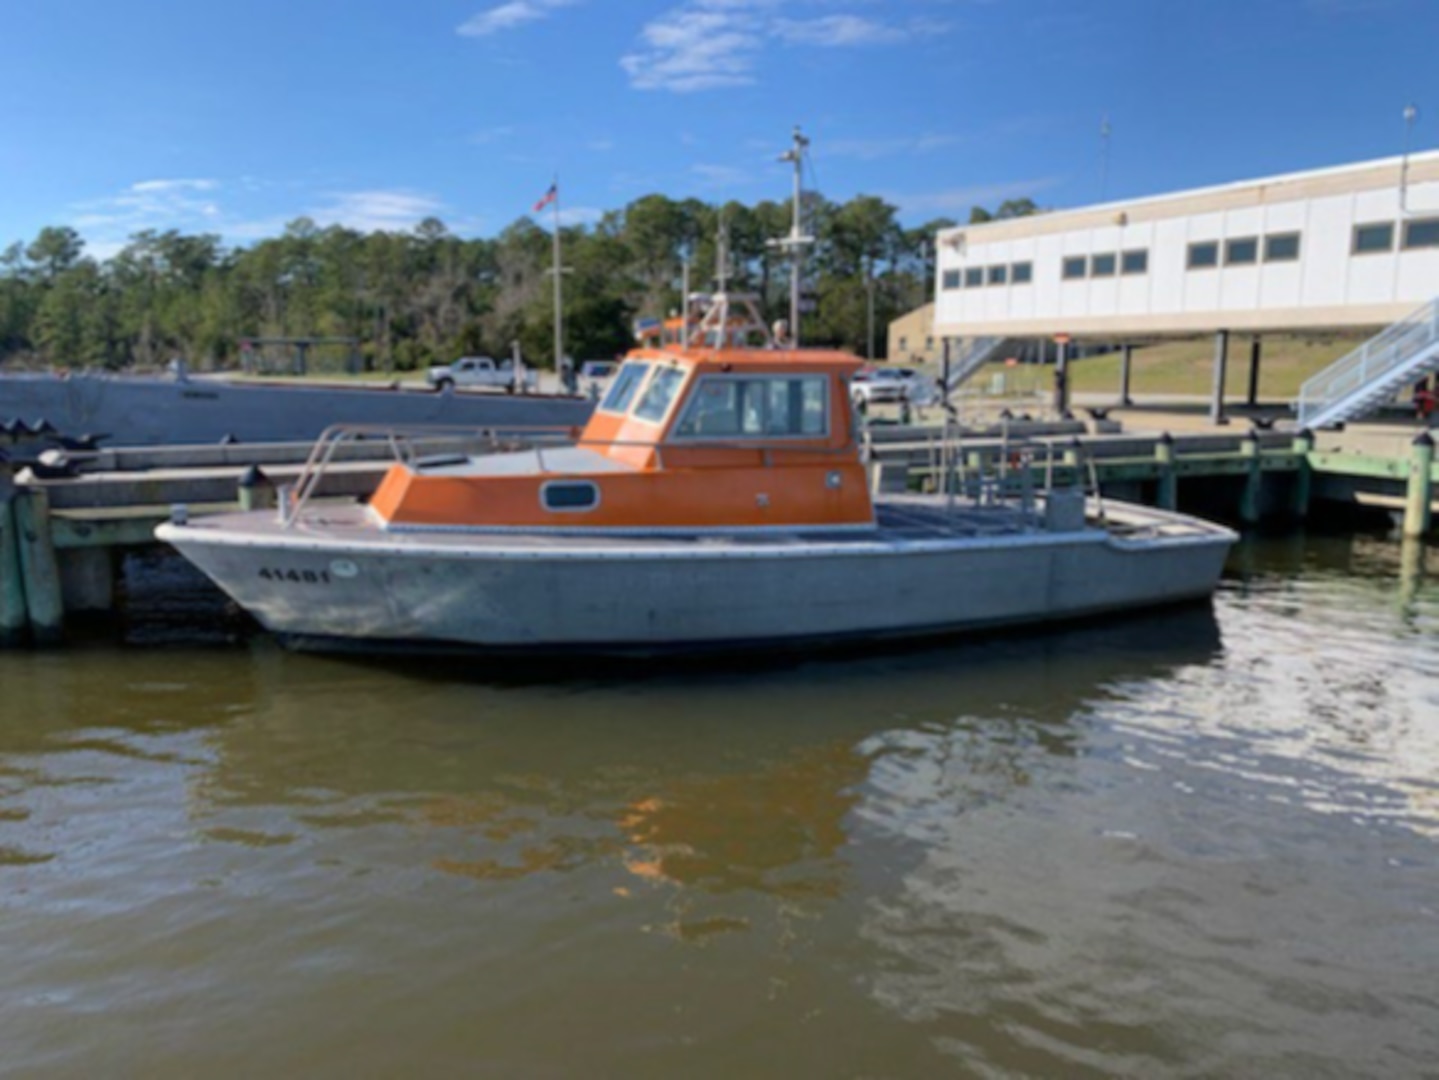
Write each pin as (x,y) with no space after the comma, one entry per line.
(378,211)
(711,44)
(835,31)
(161,187)
(696,48)
(147,204)
(509,15)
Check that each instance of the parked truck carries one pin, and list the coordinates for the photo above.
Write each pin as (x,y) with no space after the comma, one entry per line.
(483,371)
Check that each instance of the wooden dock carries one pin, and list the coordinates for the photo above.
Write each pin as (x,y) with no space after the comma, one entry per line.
(61,535)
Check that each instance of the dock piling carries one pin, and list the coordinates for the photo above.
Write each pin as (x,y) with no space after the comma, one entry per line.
(1420,488)
(1249,501)
(1302,447)
(1167,496)
(256,490)
(39,569)
(14,616)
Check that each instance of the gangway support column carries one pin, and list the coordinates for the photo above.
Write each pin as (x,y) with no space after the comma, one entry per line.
(1254,350)
(1125,364)
(1221,362)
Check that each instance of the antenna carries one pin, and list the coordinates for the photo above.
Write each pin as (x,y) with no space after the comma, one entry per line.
(1104,133)
(722,254)
(1411,114)
(794,244)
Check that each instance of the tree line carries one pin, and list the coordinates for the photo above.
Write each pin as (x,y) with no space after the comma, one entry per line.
(426,296)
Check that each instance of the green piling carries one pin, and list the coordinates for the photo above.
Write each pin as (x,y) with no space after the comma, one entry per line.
(14,616)
(1168,496)
(39,568)
(1420,489)
(1250,499)
(1302,446)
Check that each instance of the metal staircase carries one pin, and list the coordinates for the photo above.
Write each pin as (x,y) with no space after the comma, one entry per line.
(974,355)
(1374,373)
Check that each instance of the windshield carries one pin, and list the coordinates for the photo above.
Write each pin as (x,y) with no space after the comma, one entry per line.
(622,390)
(659,394)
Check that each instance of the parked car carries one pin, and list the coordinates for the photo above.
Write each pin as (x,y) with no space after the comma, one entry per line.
(482,371)
(892,386)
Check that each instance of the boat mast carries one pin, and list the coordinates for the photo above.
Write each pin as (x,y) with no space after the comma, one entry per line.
(794,244)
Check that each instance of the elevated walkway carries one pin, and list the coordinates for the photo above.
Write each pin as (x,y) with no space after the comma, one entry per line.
(1358,383)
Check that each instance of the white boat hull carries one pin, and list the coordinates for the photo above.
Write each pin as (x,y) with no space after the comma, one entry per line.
(342,582)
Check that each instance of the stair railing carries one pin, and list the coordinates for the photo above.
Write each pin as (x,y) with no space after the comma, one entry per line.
(1368,364)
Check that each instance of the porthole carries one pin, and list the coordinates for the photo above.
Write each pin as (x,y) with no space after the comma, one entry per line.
(570,496)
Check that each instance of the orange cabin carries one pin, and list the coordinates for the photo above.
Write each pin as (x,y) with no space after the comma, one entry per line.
(726,439)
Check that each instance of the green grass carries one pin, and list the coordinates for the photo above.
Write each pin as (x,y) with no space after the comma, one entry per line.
(1187,367)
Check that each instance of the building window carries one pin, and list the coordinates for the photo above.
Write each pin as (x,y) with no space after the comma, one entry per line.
(1101,266)
(998,275)
(1421,234)
(1374,237)
(1281,247)
(1074,267)
(1135,262)
(951,279)
(928,344)
(1203,256)
(903,343)
(1243,252)
(1021,273)
(974,277)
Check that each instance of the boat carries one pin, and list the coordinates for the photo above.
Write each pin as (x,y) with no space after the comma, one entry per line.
(718,498)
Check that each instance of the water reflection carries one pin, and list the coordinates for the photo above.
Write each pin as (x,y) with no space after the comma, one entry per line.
(1200,840)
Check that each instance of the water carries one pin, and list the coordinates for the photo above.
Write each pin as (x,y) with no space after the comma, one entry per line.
(1194,844)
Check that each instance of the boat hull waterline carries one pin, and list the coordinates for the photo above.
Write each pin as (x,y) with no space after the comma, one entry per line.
(345,584)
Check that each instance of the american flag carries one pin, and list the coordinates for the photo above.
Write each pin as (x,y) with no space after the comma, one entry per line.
(548,197)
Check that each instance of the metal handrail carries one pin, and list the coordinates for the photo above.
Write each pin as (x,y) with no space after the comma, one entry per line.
(402,441)
(1385,352)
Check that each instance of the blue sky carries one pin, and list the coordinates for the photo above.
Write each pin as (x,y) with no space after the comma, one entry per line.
(120,115)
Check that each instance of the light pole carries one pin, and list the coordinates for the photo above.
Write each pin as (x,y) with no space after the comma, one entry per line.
(869,296)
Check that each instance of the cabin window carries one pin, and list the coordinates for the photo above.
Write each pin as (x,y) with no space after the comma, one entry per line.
(998,275)
(974,277)
(951,279)
(1074,267)
(1372,238)
(1243,252)
(1134,262)
(1203,256)
(748,406)
(1281,247)
(622,390)
(659,394)
(1101,266)
(569,495)
(1021,273)
(1421,234)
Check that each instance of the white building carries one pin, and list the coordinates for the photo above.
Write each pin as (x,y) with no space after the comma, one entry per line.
(1352,246)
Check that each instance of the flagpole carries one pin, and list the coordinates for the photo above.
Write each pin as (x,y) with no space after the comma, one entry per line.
(559,295)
